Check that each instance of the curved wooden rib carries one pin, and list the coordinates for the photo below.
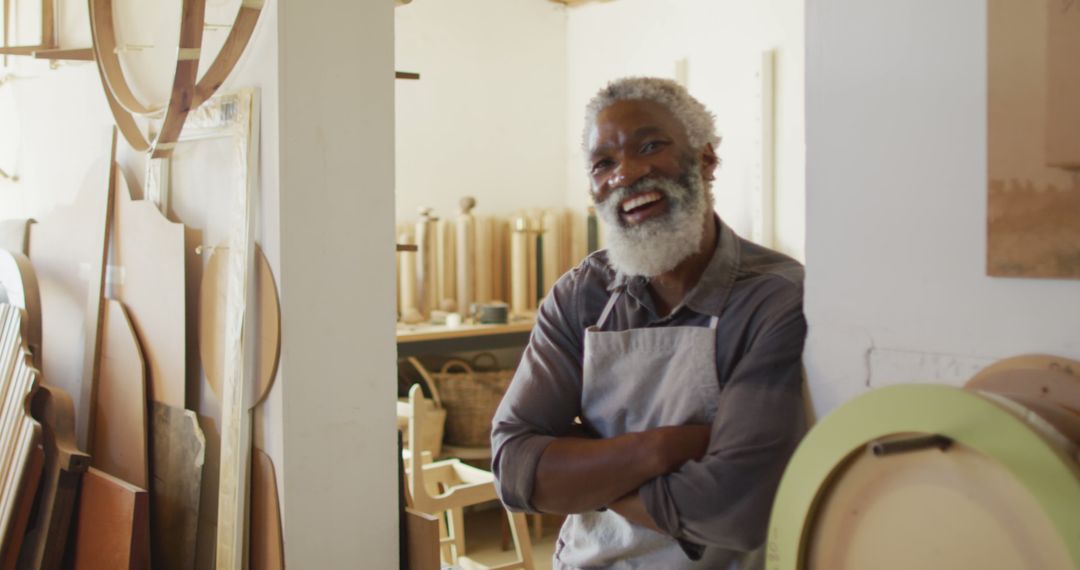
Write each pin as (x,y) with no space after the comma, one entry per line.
(184,79)
(234,46)
(101,21)
(188,91)
(125,121)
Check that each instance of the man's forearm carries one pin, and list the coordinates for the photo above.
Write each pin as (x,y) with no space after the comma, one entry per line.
(576,475)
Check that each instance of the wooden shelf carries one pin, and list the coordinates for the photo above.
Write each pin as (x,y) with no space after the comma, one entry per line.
(424,333)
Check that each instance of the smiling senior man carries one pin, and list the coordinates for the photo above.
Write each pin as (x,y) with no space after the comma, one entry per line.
(660,395)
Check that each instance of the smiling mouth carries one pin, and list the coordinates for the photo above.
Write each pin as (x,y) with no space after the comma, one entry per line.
(640,207)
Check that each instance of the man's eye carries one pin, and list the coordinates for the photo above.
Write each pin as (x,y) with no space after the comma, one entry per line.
(601,165)
(651,146)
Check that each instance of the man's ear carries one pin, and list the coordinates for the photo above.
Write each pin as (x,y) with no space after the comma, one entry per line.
(709,162)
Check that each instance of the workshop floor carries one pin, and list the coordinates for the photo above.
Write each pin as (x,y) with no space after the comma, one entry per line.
(483,536)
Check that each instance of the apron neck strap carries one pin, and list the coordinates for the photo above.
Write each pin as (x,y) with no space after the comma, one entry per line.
(714,322)
(607,309)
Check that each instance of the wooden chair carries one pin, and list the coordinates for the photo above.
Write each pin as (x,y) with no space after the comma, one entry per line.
(450,485)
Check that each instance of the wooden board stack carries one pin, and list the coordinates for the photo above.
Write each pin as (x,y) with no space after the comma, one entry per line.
(20,433)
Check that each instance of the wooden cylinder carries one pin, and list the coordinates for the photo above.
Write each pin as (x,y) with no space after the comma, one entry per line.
(483,242)
(446,282)
(466,255)
(519,267)
(426,293)
(407,298)
(554,254)
(500,259)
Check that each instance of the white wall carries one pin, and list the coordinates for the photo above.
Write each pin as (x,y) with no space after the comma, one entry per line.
(896,285)
(722,41)
(336,220)
(487,117)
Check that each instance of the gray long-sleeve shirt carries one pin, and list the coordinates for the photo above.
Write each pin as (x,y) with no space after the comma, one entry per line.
(724,499)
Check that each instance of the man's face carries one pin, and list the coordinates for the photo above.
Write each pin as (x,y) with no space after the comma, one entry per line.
(649,186)
(631,141)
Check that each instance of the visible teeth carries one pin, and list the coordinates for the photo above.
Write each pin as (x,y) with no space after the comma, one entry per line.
(640,201)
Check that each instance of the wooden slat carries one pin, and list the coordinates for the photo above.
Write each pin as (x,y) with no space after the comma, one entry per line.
(69,54)
(112,525)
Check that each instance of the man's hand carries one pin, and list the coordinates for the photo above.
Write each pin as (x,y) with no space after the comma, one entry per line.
(632,509)
(578,475)
(675,445)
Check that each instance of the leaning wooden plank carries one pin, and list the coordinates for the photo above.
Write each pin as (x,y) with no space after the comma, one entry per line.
(267,545)
(67,249)
(14,542)
(120,435)
(112,525)
(148,259)
(47,538)
(178,452)
(235,405)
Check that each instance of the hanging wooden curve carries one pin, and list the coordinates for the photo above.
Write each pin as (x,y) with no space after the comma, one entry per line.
(188,91)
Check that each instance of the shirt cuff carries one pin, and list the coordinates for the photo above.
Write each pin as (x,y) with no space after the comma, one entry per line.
(516,471)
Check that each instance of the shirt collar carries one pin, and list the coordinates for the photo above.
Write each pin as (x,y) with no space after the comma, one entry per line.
(711,292)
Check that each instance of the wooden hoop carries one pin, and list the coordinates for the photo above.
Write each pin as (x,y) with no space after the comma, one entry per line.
(188,91)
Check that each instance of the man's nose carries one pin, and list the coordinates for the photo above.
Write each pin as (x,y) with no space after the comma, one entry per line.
(627,173)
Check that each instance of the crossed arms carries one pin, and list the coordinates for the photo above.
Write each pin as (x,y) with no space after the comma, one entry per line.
(704,484)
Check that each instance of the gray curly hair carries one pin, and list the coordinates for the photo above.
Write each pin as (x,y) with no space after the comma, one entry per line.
(700,124)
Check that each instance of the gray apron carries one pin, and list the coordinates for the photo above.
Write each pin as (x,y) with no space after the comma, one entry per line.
(635,380)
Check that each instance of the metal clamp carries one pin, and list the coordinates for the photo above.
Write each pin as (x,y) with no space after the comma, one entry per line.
(882,448)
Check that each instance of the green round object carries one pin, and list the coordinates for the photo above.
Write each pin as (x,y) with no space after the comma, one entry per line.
(1044,469)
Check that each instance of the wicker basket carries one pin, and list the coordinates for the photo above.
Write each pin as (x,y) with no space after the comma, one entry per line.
(432,438)
(471,393)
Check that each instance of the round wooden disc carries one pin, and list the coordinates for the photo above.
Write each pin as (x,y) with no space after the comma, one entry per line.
(837,508)
(212,309)
(1040,378)
(931,510)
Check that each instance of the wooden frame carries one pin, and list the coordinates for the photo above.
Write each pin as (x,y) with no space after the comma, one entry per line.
(48,30)
(188,91)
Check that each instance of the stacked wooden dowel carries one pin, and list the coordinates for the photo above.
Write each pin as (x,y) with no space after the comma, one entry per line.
(475,259)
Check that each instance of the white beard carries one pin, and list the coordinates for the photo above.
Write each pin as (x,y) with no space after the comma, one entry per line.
(657,245)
